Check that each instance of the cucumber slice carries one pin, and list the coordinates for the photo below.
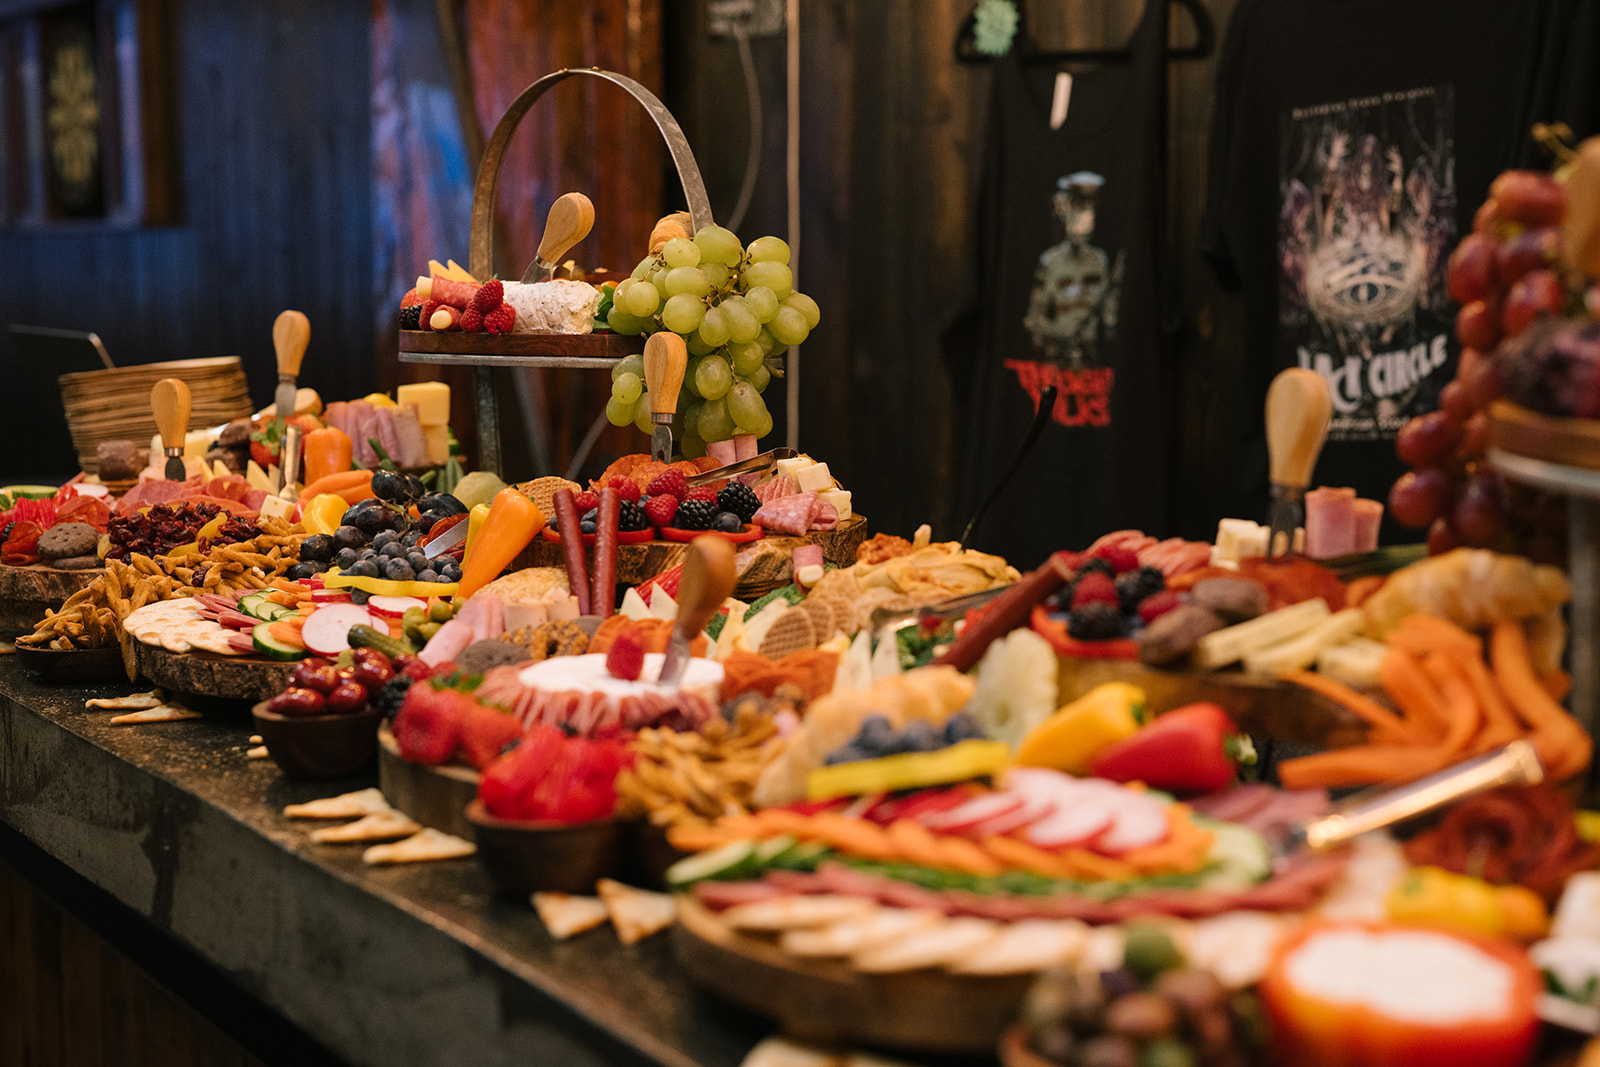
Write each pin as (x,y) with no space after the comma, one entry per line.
(768,851)
(1239,857)
(271,647)
(804,856)
(729,863)
(257,606)
(32,492)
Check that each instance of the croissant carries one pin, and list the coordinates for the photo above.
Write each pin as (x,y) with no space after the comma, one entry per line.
(674,225)
(1473,588)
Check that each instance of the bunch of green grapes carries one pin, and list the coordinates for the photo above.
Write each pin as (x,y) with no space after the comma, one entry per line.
(736,309)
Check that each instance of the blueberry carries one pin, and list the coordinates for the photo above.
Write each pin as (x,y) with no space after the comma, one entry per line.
(727,522)
(344,558)
(392,550)
(919,736)
(962,727)
(875,734)
(384,537)
(363,568)
(428,574)
(592,515)
(417,560)
(587,526)
(360,596)
(451,571)
(398,570)
(847,754)
(318,567)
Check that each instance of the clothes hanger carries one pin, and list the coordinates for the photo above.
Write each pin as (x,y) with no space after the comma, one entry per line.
(1205,41)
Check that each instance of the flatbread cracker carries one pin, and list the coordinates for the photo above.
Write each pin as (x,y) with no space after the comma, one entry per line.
(636,913)
(258,752)
(345,806)
(132,702)
(796,913)
(876,927)
(421,847)
(941,945)
(1027,946)
(379,826)
(163,713)
(565,915)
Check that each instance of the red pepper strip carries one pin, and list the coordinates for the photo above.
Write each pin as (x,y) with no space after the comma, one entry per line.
(440,527)
(1055,631)
(1186,750)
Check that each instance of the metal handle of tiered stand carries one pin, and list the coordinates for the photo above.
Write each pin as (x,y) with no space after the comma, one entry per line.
(483,197)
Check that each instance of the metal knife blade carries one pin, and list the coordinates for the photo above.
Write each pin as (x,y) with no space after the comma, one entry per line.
(708,579)
(1285,515)
(661,439)
(445,541)
(665,359)
(1298,410)
(745,466)
(291,465)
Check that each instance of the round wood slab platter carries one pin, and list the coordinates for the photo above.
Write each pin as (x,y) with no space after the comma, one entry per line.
(607,346)
(1263,707)
(763,565)
(825,1002)
(25,593)
(208,674)
(434,796)
(1552,438)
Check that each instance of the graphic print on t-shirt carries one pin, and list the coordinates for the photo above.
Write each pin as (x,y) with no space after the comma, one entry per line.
(1366,220)
(1072,311)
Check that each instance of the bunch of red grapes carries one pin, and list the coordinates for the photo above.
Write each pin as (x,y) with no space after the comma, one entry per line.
(1505,275)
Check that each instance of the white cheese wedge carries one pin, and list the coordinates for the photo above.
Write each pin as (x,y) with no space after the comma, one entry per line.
(814,479)
(662,606)
(732,637)
(840,499)
(855,666)
(1240,539)
(275,507)
(792,466)
(633,605)
(220,469)
(885,659)
(257,477)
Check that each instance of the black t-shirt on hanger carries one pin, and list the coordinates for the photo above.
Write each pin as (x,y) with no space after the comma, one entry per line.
(1070,294)
(1353,141)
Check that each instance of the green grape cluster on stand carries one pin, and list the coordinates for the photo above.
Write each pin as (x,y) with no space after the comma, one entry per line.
(735,307)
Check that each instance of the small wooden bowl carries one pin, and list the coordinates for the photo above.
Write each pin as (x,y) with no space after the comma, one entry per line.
(523,857)
(85,666)
(653,853)
(319,746)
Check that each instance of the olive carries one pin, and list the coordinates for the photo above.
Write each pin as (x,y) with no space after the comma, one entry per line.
(1141,1016)
(1149,950)
(1108,1050)
(318,548)
(347,536)
(297,702)
(347,698)
(1196,992)
(440,505)
(1051,995)
(1055,1043)
(388,485)
(439,611)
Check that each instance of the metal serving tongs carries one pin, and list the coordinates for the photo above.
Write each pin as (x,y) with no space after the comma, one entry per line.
(744,466)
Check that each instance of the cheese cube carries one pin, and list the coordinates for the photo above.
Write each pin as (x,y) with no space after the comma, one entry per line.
(432,401)
(438,438)
(792,466)
(195,445)
(814,478)
(275,507)
(840,499)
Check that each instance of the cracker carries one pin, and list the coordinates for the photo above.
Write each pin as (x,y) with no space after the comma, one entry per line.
(1025,947)
(423,846)
(793,631)
(636,913)
(131,702)
(379,826)
(344,806)
(941,945)
(565,915)
(796,913)
(164,713)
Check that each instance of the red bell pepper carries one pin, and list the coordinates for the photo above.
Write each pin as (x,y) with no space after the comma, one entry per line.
(1374,995)
(1193,749)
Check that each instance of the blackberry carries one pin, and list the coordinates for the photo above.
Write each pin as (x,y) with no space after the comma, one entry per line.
(411,317)
(739,499)
(1134,586)
(1089,566)
(695,515)
(393,694)
(1095,622)
(631,517)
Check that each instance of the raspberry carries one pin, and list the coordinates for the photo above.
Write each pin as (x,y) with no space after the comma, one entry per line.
(1120,558)
(1094,588)
(411,316)
(625,488)
(1098,621)
(411,298)
(585,501)
(631,517)
(1156,605)
(660,508)
(696,514)
(739,499)
(490,295)
(670,482)
(471,321)
(501,319)
(625,658)
(702,492)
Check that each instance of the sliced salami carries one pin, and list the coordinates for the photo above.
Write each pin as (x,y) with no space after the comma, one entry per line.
(774,488)
(788,514)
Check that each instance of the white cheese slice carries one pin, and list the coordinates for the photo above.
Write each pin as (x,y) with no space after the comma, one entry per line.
(633,605)
(814,479)
(840,499)
(220,470)
(1240,539)
(855,666)
(662,606)
(885,659)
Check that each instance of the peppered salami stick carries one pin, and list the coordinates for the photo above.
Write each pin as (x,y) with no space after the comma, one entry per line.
(603,596)
(572,546)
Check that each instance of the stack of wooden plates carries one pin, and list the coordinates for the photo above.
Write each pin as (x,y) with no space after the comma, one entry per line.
(113,405)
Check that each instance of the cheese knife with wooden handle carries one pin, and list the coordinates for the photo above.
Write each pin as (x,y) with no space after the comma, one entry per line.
(665,359)
(291,333)
(1299,408)
(708,578)
(570,220)
(170,402)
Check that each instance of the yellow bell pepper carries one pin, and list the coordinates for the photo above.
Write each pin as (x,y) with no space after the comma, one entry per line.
(208,530)
(380,400)
(1433,896)
(387,587)
(1069,739)
(476,515)
(909,770)
(323,513)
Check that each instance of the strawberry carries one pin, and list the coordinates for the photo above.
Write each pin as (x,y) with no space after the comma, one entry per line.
(1120,558)
(263,455)
(485,732)
(625,658)
(411,298)
(585,502)
(501,319)
(702,492)
(660,508)
(1095,588)
(1156,605)
(428,726)
(471,320)
(509,782)
(669,481)
(625,488)
(490,295)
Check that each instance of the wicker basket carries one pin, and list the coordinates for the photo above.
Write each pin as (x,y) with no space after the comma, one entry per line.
(113,405)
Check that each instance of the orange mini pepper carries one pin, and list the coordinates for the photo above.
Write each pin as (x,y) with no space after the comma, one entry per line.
(512,522)
(327,451)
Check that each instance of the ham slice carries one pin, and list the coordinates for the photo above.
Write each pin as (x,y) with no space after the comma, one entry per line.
(1330,523)
(413,443)
(825,517)
(363,424)
(1369,517)
(337,415)
(388,435)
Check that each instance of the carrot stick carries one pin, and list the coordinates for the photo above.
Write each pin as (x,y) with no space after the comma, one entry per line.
(1358,765)
(855,836)
(1090,866)
(1385,724)
(289,635)
(354,486)
(1557,682)
(1409,687)
(1019,854)
(960,854)
(916,843)
(1460,703)
(1420,634)
(699,838)
(1500,724)
(1564,746)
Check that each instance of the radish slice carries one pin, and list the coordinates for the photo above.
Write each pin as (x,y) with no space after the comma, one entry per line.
(977,810)
(327,630)
(1029,813)
(1139,820)
(1074,823)
(322,595)
(393,607)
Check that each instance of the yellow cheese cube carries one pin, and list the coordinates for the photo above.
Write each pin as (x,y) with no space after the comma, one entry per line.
(431,399)
(438,438)
(814,478)
(275,507)
(840,499)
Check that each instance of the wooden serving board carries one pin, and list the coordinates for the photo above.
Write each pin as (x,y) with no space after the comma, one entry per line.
(1263,707)
(208,674)
(1551,438)
(434,796)
(25,593)
(763,565)
(609,346)
(825,1002)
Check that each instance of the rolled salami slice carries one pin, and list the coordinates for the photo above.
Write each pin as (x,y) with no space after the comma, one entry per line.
(788,514)
(446,290)
(825,517)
